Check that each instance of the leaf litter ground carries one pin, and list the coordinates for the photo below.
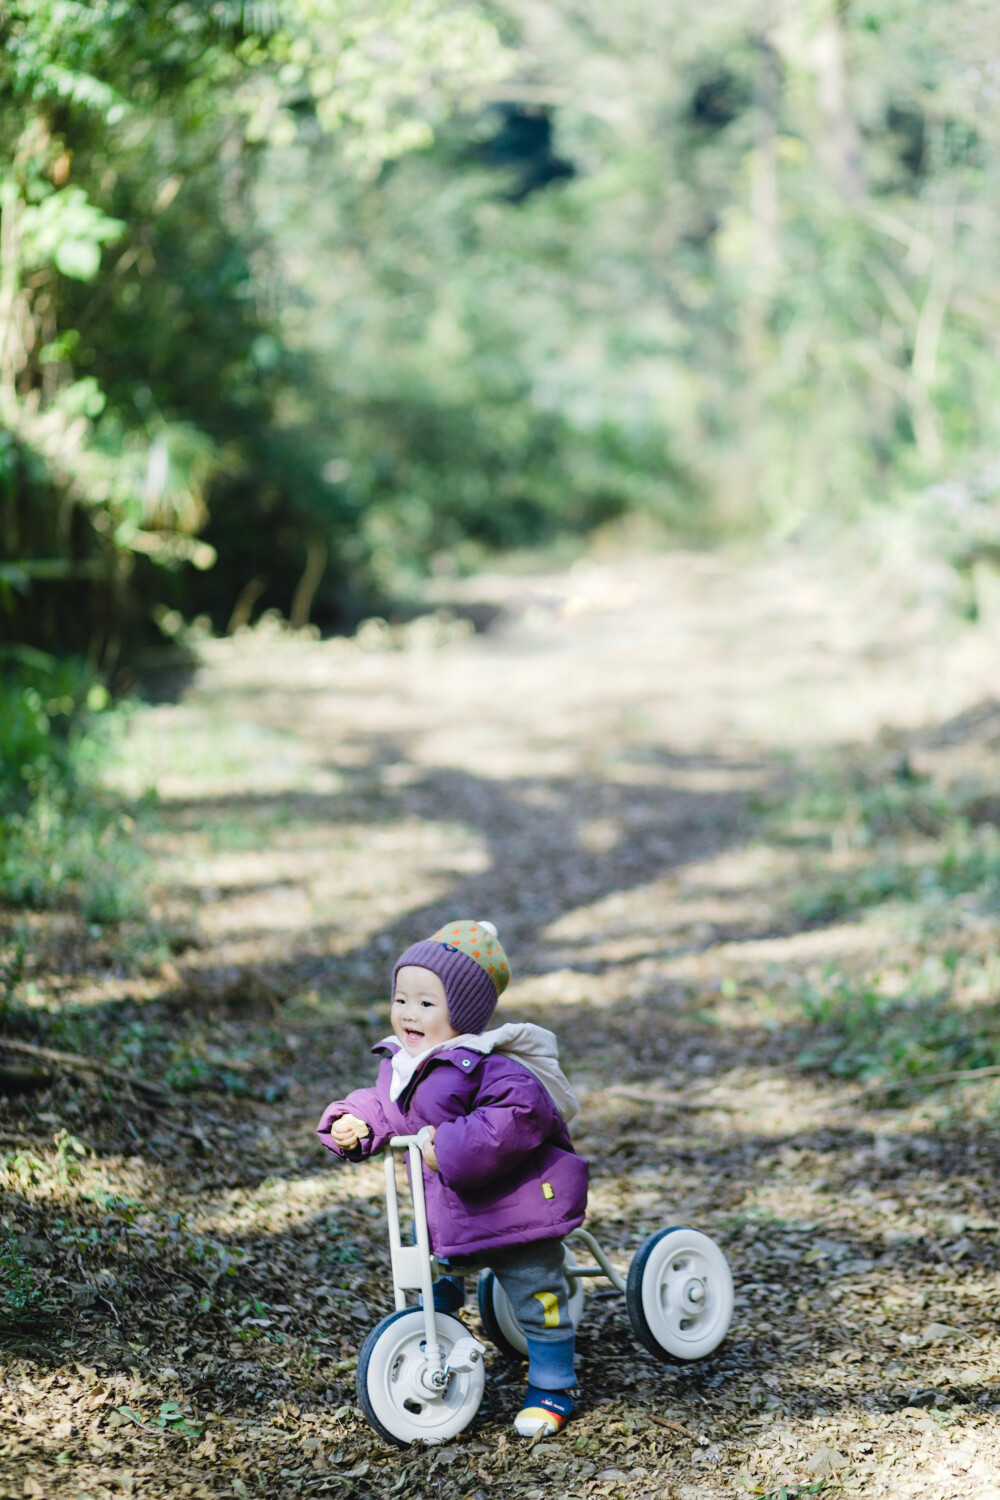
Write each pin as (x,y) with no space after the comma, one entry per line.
(610,773)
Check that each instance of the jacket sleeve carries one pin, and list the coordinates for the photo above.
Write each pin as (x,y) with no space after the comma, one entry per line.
(511,1117)
(366,1104)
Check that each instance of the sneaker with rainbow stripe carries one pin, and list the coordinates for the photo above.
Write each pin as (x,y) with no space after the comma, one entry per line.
(543,1411)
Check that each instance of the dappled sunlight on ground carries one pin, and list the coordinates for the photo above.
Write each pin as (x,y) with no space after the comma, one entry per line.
(605,775)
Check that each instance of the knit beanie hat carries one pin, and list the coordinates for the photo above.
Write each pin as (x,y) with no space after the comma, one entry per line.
(470,962)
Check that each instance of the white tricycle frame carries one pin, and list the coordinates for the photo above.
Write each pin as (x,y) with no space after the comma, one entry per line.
(421,1374)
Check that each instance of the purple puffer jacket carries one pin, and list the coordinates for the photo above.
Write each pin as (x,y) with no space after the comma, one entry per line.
(508,1171)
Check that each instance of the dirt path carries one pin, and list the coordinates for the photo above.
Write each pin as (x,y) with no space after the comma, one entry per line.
(594,773)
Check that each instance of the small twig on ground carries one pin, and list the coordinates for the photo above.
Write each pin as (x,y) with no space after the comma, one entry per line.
(665,1102)
(892,1085)
(15,1138)
(73,1062)
(112,1307)
(665,1422)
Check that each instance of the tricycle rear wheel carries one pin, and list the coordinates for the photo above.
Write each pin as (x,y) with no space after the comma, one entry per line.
(499,1322)
(679,1294)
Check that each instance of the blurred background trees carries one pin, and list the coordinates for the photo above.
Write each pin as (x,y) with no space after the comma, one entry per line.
(301,299)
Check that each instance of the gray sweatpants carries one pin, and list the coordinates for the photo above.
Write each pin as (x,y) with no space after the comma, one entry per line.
(532,1275)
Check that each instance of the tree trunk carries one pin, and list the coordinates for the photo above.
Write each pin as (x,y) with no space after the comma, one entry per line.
(764,170)
(840,145)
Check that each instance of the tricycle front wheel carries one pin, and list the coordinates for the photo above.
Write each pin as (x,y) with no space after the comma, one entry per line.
(679,1294)
(389,1387)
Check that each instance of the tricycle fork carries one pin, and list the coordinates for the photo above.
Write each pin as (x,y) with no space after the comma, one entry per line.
(413,1266)
(603,1267)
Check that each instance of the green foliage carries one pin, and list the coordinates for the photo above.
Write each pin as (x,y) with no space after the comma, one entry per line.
(120,1205)
(899,837)
(794,1491)
(69,1154)
(58,835)
(906,855)
(40,697)
(336,1248)
(12,957)
(300,301)
(177,1420)
(864,1032)
(171,1416)
(20,1300)
(188,1071)
(959,879)
(144,380)
(687,289)
(855,806)
(62,228)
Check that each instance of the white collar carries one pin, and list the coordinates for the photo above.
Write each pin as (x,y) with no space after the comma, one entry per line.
(405,1064)
(532,1046)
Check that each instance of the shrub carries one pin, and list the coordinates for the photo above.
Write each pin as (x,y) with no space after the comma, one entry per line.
(59,834)
(20,1299)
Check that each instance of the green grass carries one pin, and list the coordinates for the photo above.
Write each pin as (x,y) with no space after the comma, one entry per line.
(862,805)
(897,837)
(885,841)
(958,875)
(180,1051)
(860,1031)
(793,1491)
(63,840)
(20,1299)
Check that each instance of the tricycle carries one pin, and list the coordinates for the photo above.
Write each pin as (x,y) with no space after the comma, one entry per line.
(421,1375)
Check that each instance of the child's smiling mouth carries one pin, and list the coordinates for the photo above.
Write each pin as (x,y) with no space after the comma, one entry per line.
(411,1035)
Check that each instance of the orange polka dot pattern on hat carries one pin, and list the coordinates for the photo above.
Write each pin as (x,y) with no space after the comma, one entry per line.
(477,942)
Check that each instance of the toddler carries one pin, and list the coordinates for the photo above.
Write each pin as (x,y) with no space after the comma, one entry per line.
(503,1183)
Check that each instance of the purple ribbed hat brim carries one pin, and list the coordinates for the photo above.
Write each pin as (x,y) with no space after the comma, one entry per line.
(469,990)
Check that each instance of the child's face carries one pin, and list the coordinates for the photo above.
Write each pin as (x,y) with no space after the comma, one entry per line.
(420,1010)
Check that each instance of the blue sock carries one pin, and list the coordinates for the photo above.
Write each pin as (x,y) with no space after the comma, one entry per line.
(551,1365)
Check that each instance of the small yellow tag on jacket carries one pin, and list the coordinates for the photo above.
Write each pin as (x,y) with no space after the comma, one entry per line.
(548,1191)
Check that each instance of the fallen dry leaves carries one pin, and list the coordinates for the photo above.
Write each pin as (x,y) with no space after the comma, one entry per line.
(205,1275)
